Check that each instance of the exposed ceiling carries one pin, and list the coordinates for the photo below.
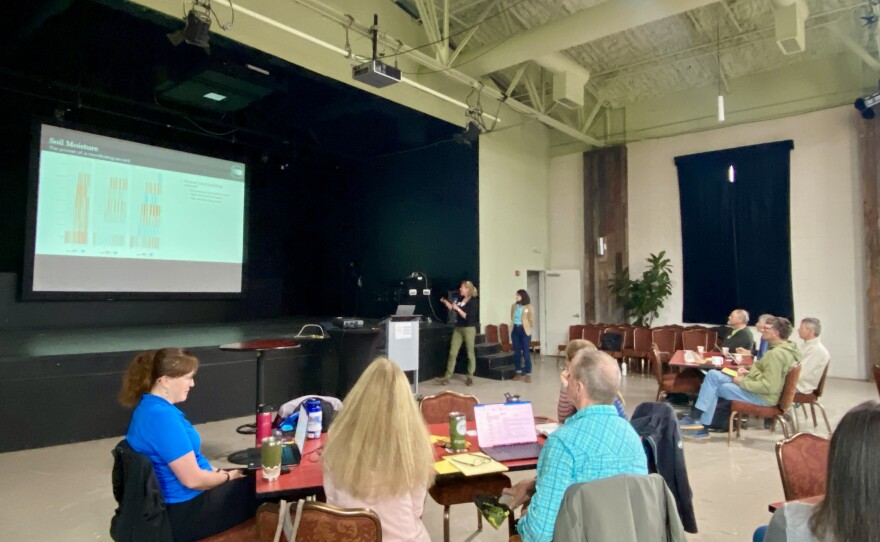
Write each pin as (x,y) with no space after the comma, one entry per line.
(643,62)
(640,68)
(674,53)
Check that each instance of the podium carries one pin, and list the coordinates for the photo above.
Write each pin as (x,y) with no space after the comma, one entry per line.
(402,344)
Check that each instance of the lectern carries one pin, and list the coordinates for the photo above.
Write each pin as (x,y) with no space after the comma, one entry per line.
(402,344)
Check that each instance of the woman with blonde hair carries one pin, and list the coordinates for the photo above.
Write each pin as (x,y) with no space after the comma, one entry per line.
(467,309)
(378,453)
(200,500)
(564,408)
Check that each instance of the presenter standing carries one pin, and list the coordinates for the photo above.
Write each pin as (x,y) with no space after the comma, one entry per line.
(467,309)
(522,317)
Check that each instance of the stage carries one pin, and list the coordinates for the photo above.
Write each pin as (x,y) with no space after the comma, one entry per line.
(59,385)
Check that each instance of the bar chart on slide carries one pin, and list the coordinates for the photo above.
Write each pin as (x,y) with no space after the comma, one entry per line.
(123,217)
(105,209)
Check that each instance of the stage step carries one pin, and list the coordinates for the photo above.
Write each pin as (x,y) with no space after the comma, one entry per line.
(486,349)
(505,372)
(495,365)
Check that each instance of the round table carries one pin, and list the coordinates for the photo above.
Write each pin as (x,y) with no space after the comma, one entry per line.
(251,456)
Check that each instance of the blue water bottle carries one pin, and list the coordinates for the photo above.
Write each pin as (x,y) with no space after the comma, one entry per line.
(316,418)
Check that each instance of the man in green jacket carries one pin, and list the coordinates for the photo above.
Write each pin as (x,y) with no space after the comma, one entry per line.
(760,385)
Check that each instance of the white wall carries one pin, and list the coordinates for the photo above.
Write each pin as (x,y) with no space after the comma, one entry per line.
(567,212)
(826,218)
(514,186)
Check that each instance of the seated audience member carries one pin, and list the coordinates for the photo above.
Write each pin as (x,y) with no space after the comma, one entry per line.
(594,443)
(852,488)
(378,453)
(760,385)
(814,355)
(762,346)
(739,335)
(564,408)
(200,500)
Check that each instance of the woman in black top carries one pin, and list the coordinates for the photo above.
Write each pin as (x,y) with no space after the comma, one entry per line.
(467,309)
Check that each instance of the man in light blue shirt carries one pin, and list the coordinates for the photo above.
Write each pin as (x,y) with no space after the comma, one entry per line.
(594,443)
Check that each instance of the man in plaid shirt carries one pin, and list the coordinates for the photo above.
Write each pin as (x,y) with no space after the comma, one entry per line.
(594,443)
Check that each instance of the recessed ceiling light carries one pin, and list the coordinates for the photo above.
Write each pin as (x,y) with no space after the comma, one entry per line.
(214,96)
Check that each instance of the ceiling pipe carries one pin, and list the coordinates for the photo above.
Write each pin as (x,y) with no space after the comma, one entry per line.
(431,63)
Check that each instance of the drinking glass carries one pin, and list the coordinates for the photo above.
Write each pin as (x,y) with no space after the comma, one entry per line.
(270,458)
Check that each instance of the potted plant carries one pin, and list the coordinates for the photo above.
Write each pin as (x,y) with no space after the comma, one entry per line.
(643,298)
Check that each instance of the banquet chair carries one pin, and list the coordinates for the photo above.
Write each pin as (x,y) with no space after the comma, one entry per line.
(803,465)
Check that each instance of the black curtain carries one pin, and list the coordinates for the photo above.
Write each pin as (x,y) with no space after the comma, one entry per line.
(735,236)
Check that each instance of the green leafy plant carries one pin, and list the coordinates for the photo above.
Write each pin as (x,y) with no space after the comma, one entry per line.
(643,298)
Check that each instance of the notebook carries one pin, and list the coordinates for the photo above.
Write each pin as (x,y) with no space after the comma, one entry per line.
(506,431)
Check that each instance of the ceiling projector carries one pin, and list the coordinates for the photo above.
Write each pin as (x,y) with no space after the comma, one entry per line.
(376,74)
(373,72)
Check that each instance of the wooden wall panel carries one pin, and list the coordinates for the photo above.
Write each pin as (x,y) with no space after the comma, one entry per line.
(605,215)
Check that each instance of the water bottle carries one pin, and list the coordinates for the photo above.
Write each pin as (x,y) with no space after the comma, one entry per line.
(316,418)
(623,368)
(264,423)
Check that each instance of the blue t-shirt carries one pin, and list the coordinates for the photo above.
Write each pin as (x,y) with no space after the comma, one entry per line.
(517,315)
(160,431)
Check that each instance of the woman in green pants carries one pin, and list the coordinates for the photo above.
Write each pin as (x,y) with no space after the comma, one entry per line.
(467,309)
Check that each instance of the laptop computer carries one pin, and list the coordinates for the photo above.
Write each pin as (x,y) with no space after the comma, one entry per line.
(506,431)
(405,310)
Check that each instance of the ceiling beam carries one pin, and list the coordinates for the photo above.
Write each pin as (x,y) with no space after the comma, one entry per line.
(470,33)
(582,26)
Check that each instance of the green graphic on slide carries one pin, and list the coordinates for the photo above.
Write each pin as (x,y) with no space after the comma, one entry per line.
(97,208)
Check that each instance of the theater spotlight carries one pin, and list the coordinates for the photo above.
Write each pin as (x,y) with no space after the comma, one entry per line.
(197,27)
(866,105)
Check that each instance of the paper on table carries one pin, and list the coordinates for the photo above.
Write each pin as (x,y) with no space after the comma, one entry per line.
(444,467)
(475,463)
(546,428)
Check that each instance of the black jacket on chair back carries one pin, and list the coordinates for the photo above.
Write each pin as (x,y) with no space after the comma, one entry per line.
(657,425)
(140,516)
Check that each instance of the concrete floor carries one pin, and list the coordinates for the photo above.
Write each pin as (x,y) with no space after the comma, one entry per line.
(63,493)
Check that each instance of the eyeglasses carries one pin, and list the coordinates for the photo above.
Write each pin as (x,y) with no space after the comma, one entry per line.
(471,460)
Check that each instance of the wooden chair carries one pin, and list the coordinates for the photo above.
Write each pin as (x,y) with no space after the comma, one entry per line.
(685,382)
(436,409)
(812,399)
(623,332)
(877,377)
(712,339)
(786,398)
(574,332)
(321,522)
(803,465)
(693,338)
(664,340)
(592,333)
(506,345)
(491,333)
(640,349)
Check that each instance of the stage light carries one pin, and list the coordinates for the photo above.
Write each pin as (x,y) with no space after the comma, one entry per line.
(866,104)
(720,108)
(470,134)
(197,27)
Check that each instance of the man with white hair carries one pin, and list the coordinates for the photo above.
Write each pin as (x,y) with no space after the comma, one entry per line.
(814,355)
(739,335)
(594,443)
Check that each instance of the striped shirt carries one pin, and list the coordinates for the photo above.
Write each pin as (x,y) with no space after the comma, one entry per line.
(564,408)
(594,443)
